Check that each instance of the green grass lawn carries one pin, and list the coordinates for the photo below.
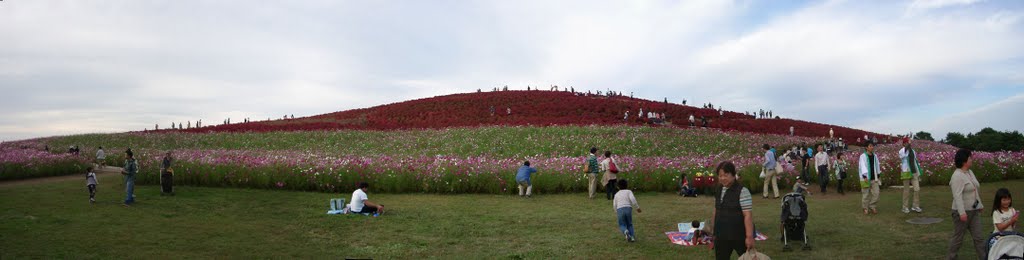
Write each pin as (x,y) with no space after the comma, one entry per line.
(55,220)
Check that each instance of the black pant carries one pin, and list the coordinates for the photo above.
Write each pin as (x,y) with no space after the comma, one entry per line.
(805,173)
(611,188)
(823,177)
(167,183)
(724,248)
(367,209)
(839,182)
(92,191)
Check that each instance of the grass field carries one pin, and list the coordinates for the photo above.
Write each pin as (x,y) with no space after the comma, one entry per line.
(55,220)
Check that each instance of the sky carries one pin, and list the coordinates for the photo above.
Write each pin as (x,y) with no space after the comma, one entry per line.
(73,67)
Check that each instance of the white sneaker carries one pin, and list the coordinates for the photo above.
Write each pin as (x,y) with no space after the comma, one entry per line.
(917,209)
(905,210)
(627,235)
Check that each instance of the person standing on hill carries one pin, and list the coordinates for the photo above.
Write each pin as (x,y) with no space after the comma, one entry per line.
(911,176)
(840,167)
(101,158)
(131,167)
(805,155)
(610,177)
(821,161)
(869,179)
(167,175)
(791,130)
(591,168)
(769,171)
(831,134)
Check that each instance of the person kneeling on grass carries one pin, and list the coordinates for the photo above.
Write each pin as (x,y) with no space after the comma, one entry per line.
(361,204)
(685,188)
(624,203)
(523,178)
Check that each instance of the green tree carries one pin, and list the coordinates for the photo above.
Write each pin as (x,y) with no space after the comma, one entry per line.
(924,136)
(956,139)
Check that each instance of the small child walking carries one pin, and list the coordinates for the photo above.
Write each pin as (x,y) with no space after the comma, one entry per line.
(90,182)
(624,203)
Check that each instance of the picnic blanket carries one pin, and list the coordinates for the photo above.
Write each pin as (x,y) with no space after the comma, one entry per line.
(683,238)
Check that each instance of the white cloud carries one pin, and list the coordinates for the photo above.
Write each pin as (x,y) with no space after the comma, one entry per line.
(839,62)
(1003,115)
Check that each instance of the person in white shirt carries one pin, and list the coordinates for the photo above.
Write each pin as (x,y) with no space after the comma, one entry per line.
(692,123)
(790,130)
(101,158)
(362,204)
(911,176)
(821,161)
(870,172)
(1004,216)
(624,203)
(831,134)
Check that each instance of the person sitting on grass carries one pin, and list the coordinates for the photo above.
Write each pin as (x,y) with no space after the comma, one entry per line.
(523,178)
(698,233)
(361,204)
(624,203)
(685,187)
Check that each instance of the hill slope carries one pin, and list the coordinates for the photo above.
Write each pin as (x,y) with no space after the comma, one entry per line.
(537,108)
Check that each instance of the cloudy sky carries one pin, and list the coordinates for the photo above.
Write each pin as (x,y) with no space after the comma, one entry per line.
(69,67)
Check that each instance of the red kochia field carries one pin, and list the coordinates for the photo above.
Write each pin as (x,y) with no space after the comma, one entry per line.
(536,108)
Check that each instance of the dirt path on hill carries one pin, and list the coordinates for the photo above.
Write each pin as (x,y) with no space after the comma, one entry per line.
(109,170)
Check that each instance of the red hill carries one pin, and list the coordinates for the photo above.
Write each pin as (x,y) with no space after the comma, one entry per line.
(537,108)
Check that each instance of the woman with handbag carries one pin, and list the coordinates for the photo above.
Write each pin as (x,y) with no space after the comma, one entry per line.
(610,177)
(967,206)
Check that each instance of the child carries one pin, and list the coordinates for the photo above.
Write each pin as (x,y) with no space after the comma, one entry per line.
(624,203)
(697,232)
(1004,217)
(90,182)
(840,167)
(800,186)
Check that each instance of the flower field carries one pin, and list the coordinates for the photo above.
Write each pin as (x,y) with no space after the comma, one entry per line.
(22,163)
(460,160)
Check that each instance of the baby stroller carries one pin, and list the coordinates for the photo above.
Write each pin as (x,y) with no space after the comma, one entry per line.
(794,218)
(1006,245)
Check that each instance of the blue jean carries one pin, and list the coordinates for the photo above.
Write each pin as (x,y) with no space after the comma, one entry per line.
(625,220)
(130,190)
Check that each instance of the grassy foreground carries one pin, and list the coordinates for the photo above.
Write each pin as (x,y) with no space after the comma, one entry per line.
(55,220)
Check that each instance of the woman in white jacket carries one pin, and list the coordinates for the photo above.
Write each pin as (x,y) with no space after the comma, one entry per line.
(870,171)
(911,176)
